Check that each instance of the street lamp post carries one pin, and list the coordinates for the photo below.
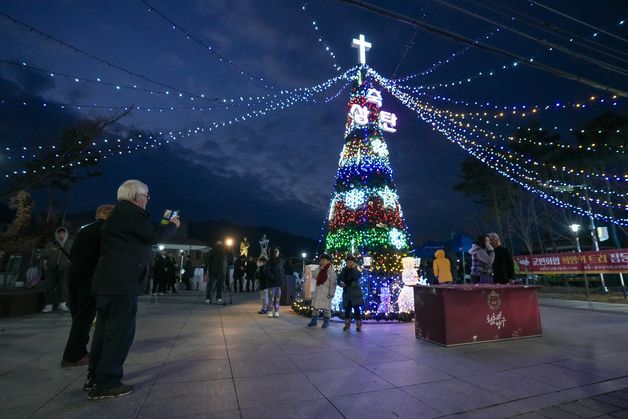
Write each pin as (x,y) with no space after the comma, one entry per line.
(575,228)
(597,249)
(303,256)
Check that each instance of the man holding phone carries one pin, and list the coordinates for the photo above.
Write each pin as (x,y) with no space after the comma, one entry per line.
(126,246)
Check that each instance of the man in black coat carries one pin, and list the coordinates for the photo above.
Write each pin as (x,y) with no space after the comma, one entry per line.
(83,261)
(239,269)
(251,268)
(125,250)
(216,272)
(503,265)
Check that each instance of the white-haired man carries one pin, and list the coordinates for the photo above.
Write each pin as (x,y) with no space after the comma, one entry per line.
(125,251)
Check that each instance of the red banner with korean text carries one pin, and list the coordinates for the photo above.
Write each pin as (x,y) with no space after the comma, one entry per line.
(603,261)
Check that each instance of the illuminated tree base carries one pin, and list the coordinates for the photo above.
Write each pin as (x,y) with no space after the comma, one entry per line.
(304,308)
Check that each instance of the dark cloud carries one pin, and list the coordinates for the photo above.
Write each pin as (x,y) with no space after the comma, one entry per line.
(277,169)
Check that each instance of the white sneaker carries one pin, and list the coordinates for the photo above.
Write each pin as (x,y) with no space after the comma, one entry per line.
(47,308)
(207,301)
(276,314)
(270,314)
(63,307)
(219,301)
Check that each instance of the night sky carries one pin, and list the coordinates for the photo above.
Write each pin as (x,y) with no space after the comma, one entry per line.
(277,169)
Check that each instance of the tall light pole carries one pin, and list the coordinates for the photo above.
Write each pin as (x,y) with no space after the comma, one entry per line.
(575,228)
(303,256)
(596,244)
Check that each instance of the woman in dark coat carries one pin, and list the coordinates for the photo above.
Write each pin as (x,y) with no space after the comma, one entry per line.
(349,280)
(274,275)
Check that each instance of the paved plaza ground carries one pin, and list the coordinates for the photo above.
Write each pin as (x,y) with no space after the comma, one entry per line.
(193,360)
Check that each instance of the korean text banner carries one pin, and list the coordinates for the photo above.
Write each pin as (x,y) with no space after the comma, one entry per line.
(603,261)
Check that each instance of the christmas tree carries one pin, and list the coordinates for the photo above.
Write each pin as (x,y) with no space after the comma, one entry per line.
(365,218)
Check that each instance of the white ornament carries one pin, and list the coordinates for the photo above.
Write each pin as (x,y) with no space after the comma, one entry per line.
(379,147)
(388,121)
(332,207)
(264,246)
(388,196)
(354,198)
(385,303)
(397,238)
(336,301)
(405,301)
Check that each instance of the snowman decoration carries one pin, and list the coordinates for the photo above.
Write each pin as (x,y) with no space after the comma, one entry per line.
(409,276)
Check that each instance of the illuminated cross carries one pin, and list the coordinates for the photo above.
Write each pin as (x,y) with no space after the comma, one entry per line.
(363,45)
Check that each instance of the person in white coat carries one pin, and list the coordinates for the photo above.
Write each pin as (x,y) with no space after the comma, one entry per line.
(325,289)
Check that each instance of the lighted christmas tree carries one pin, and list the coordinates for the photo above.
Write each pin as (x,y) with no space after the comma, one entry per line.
(365,217)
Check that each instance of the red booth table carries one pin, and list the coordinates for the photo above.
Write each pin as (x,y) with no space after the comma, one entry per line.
(471,313)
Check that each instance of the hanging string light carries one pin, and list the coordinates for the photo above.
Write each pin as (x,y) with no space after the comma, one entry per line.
(298,95)
(511,154)
(321,40)
(447,60)
(493,162)
(221,58)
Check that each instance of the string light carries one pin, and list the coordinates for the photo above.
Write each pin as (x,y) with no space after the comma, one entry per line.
(511,154)
(239,101)
(221,58)
(50,37)
(321,40)
(493,162)
(507,160)
(298,95)
(447,60)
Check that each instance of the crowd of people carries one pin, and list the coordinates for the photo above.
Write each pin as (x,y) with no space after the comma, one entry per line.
(100,272)
(99,275)
(491,262)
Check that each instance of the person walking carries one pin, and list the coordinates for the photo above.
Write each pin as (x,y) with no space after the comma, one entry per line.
(160,273)
(482,257)
(188,273)
(83,260)
(251,268)
(262,279)
(503,265)
(239,270)
(324,292)
(274,275)
(442,268)
(56,260)
(171,278)
(216,271)
(352,298)
(126,246)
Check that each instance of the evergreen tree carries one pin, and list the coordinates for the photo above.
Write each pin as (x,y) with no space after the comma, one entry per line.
(365,217)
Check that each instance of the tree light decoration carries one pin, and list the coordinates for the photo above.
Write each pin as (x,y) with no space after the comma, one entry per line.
(364,215)
(397,238)
(379,148)
(388,196)
(354,198)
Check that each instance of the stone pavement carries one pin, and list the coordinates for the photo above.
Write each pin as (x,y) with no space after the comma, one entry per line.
(192,360)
